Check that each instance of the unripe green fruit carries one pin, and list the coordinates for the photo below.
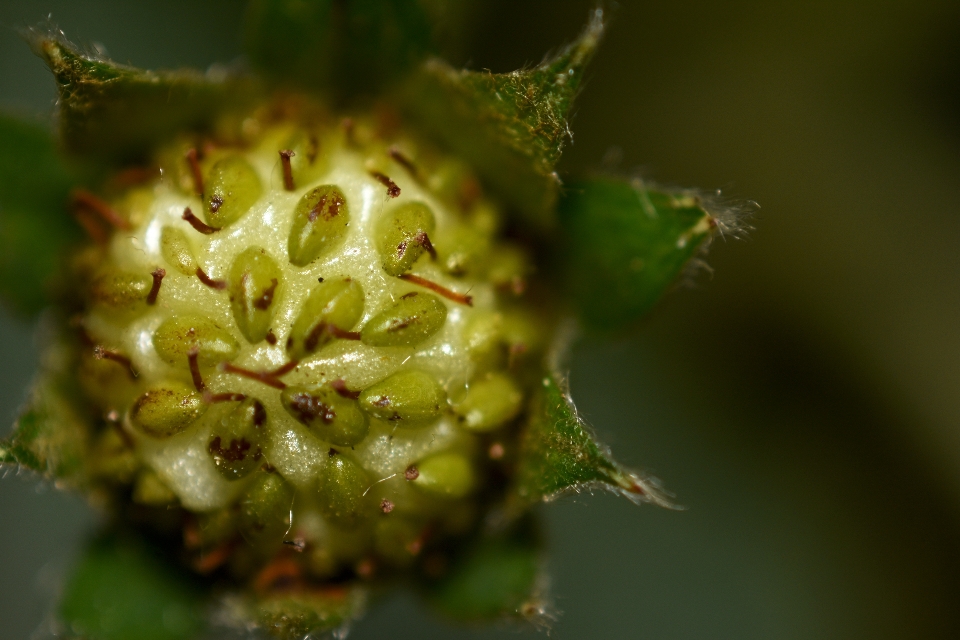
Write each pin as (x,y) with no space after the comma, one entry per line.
(293,355)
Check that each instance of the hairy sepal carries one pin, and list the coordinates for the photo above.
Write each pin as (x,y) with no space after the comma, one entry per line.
(52,431)
(121,113)
(512,127)
(346,48)
(559,454)
(125,588)
(624,244)
(294,614)
(35,231)
(496,575)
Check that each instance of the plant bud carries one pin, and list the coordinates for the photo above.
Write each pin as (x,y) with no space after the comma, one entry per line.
(176,250)
(319,221)
(403,234)
(166,410)
(448,475)
(342,483)
(177,336)
(334,304)
(411,320)
(256,283)
(236,438)
(232,186)
(332,417)
(411,396)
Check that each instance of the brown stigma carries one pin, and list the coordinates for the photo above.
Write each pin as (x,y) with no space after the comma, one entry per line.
(285,155)
(433,286)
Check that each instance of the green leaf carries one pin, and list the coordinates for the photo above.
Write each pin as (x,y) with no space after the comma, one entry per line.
(346,47)
(123,589)
(121,113)
(296,615)
(496,576)
(51,434)
(511,126)
(35,229)
(624,245)
(559,454)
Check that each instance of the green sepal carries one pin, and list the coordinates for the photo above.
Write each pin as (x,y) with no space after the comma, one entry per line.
(35,230)
(121,113)
(512,127)
(341,47)
(300,614)
(624,245)
(495,575)
(52,431)
(559,454)
(123,588)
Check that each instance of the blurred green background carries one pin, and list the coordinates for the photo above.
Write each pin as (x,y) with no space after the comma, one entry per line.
(803,403)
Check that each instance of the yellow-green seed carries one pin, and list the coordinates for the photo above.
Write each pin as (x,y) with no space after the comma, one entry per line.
(411,320)
(178,335)
(490,403)
(332,417)
(413,397)
(342,484)
(336,304)
(462,250)
(235,441)
(232,186)
(265,510)
(166,410)
(176,249)
(150,490)
(403,234)
(483,338)
(319,221)
(121,290)
(256,284)
(308,161)
(510,267)
(398,540)
(447,475)
(217,526)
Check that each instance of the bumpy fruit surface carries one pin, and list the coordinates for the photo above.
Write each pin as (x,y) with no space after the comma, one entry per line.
(312,338)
